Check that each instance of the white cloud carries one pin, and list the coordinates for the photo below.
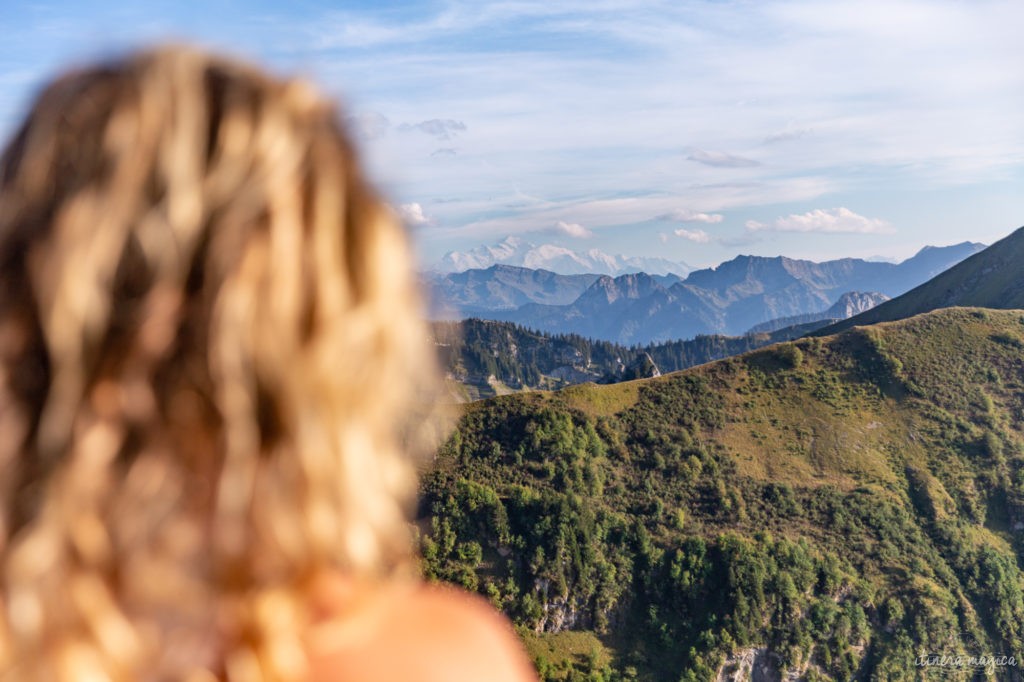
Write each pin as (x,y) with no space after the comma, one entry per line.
(521,213)
(834,220)
(698,236)
(787,135)
(412,214)
(685,215)
(573,230)
(721,159)
(442,129)
(369,125)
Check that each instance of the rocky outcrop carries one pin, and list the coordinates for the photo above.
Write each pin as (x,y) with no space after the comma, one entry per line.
(560,612)
(849,304)
(642,368)
(752,664)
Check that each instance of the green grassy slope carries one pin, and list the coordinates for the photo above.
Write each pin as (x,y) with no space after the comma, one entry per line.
(988,279)
(849,503)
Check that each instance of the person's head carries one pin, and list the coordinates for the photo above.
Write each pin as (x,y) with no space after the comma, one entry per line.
(210,349)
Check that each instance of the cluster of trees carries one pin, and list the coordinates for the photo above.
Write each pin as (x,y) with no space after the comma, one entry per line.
(548,555)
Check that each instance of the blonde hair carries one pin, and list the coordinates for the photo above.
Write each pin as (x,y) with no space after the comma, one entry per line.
(211,364)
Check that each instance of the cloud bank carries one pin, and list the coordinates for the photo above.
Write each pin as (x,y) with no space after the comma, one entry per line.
(368,125)
(787,135)
(442,129)
(574,230)
(697,236)
(685,215)
(834,220)
(412,214)
(721,159)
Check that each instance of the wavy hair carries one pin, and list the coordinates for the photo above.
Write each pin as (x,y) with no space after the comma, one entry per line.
(212,373)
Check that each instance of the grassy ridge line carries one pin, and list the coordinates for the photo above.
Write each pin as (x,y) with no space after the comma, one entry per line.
(847,502)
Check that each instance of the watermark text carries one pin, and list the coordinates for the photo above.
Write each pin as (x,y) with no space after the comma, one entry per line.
(965,662)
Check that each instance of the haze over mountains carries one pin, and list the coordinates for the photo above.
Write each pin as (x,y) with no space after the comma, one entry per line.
(730,299)
(849,304)
(516,251)
(476,292)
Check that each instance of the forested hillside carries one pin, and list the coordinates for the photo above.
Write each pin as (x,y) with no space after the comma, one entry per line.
(487,358)
(832,507)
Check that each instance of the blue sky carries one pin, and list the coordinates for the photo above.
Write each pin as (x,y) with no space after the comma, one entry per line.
(688,130)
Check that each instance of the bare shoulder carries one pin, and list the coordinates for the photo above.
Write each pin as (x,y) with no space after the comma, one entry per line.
(474,632)
(425,633)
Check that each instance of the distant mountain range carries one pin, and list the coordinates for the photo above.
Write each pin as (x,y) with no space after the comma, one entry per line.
(500,287)
(639,308)
(993,278)
(521,253)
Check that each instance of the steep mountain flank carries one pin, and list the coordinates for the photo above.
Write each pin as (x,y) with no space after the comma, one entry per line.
(993,278)
(827,509)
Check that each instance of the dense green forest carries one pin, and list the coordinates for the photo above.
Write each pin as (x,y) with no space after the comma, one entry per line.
(487,358)
(836,507)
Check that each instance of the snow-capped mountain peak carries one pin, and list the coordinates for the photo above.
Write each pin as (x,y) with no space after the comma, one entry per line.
(514,250)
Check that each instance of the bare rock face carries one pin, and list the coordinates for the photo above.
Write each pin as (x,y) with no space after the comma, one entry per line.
(572,375)
(759,664)
(753,664)
(560,611)
(643,368)
(855,302)
(849,304)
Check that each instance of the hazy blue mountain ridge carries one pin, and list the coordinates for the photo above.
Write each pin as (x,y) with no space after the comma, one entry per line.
(849,304)
(729,299)
(464,294)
